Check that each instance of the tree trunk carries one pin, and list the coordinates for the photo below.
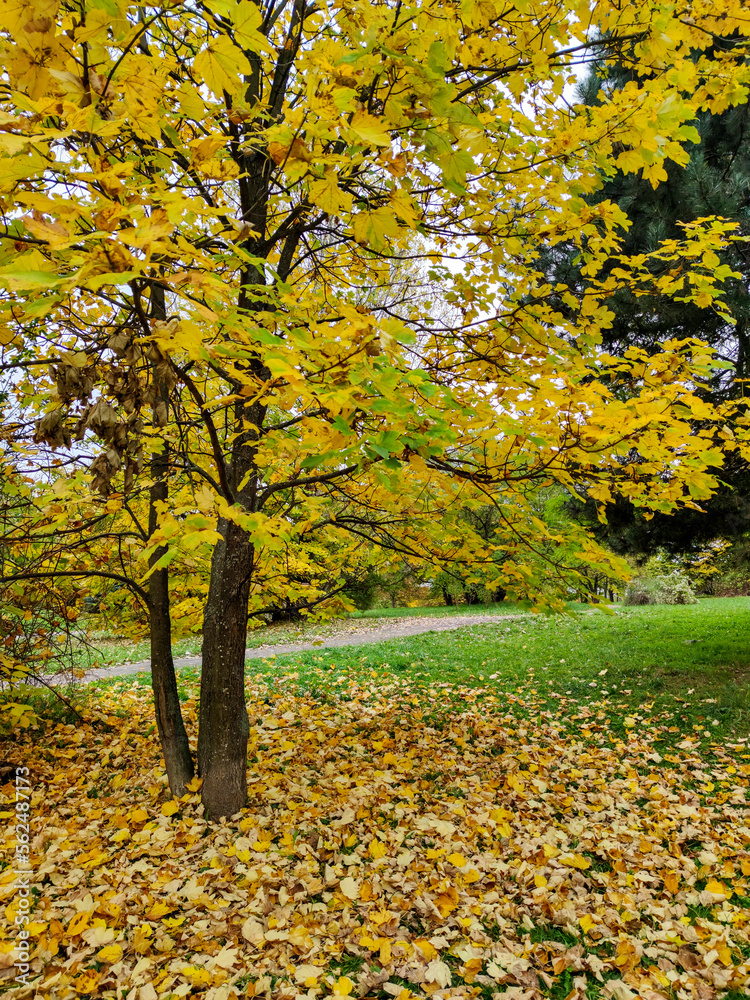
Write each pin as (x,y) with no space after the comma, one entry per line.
(174,740)
(222,738)
(223,725)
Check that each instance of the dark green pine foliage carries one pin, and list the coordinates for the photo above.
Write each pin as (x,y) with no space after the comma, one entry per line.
(716,181)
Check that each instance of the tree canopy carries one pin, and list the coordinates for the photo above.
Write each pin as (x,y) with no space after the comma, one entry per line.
(194,196)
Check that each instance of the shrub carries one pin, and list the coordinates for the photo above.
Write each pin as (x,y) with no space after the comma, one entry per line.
(669,588)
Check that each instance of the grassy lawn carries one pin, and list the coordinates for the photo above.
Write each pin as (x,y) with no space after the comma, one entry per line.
(501,608)
(689,665)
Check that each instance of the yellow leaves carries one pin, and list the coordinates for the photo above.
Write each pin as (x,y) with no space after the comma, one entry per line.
(204,149)
(293,155)
(575,861)
(214,877)
(375,228)
(78,924)
(151,230)
(370,129)
(308,975)
(629,161)
(671,882)
(195,975)
(439,973)
(110,954)
(426,948)
(628,954)
(246,21)
(377,849)
(586,922)
(86,982)
(170,808)
(53,232)
(717,888)
(190,102)
(405,209)
(328,195)
(222,65)
(252,932)
(515,783)
(447,900)
(349,887)
(27,17)
(142,938)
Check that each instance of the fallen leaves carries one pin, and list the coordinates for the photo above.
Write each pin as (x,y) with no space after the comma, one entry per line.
(396,843)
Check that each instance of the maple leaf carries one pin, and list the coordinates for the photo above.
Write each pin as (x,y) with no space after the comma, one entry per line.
(327,194)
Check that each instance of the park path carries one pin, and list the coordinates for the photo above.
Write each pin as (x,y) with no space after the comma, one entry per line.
(368,635)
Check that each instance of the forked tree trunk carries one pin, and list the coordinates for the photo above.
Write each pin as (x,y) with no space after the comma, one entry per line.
(174,740)
(224,727)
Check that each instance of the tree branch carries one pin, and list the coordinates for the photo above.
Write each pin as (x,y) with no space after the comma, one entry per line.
(51,574)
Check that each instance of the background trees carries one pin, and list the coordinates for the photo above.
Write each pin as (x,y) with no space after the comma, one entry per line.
(715,180)
(193,198)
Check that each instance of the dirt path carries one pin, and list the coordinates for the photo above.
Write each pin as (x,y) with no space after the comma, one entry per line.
(393,629)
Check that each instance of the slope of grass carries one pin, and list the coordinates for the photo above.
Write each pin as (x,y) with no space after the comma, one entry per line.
(691,662)
(501,608)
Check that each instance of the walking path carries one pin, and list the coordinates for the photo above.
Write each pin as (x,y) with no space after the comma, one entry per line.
(399,629)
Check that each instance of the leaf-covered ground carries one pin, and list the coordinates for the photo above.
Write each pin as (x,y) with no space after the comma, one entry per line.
(399,841)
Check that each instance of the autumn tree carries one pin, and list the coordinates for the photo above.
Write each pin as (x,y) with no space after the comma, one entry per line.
(194,195)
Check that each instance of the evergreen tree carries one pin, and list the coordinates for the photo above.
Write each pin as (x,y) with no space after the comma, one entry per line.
(716,181)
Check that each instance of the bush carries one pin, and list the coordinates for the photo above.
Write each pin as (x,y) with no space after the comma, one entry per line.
(670,588)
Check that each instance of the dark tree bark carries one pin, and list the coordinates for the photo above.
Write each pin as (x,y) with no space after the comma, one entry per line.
(174,740)
(224,725)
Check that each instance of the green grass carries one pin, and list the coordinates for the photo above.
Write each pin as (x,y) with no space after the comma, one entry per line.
(689,665)
(102,649)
